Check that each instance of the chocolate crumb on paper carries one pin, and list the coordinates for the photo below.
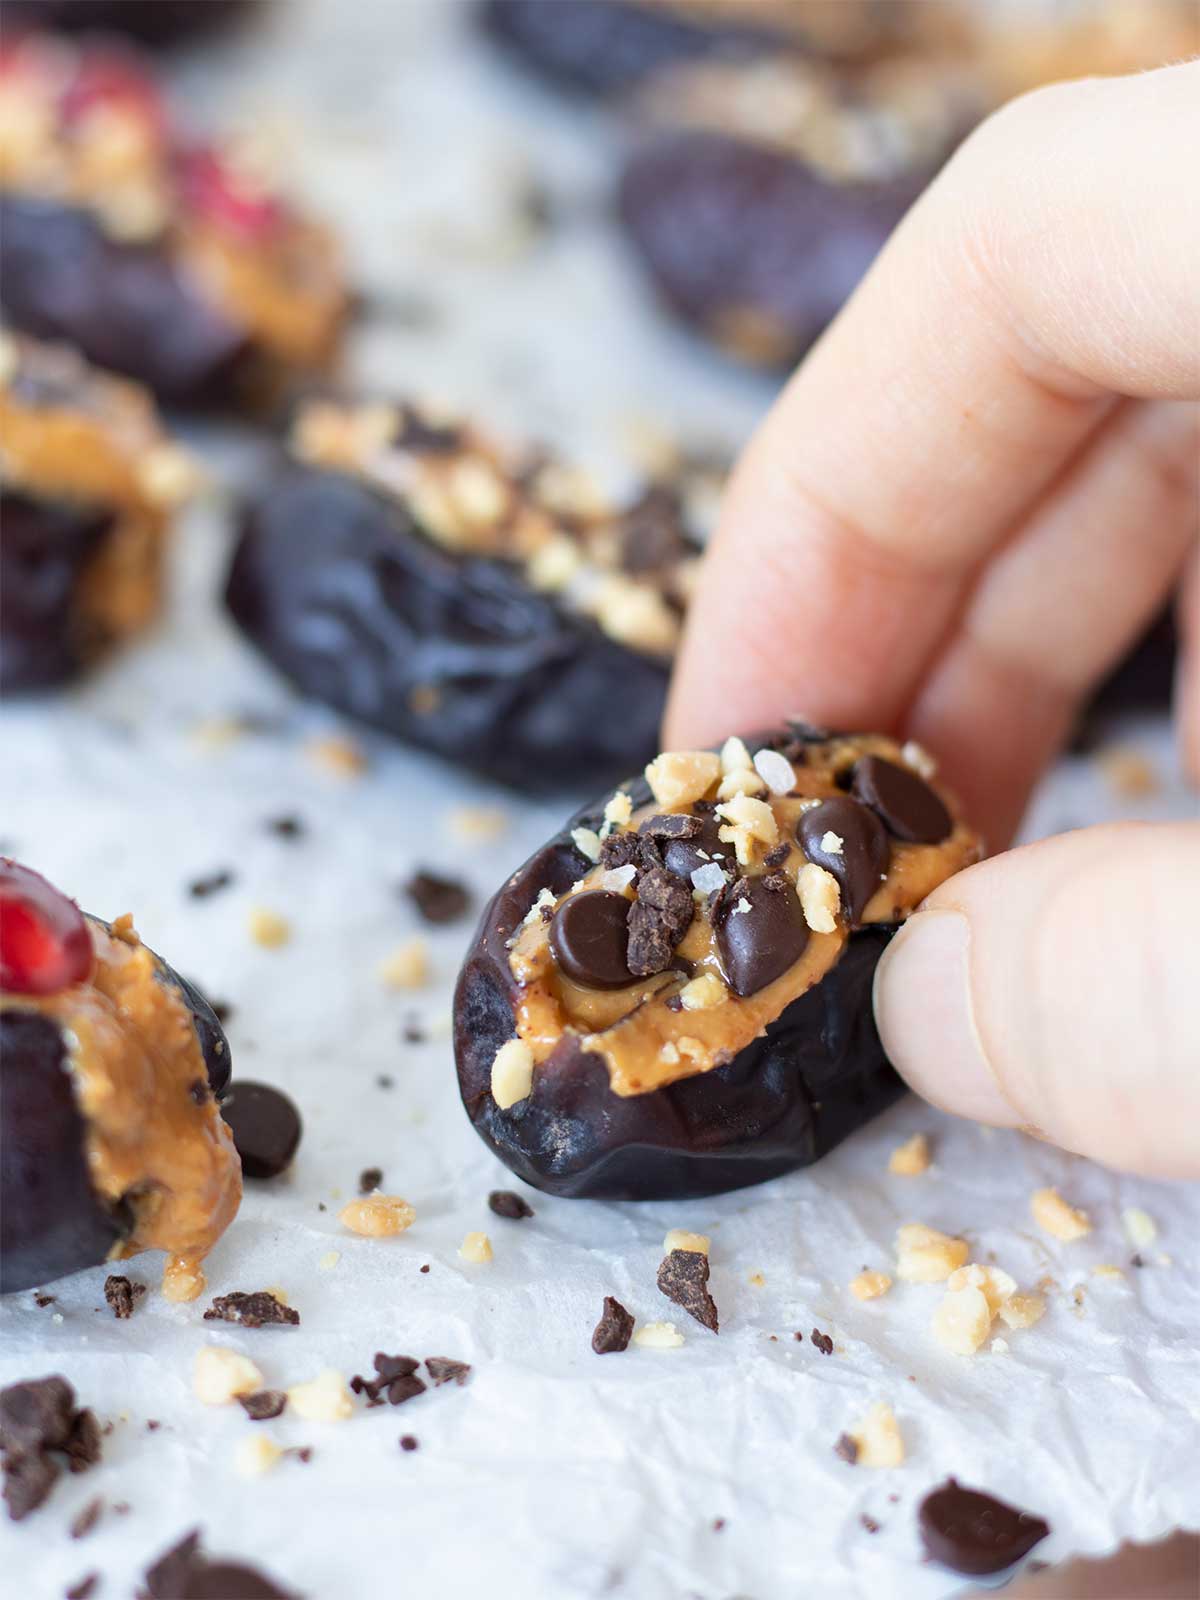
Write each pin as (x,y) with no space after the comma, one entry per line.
(823,1342)
(186,1570)
(614,1330)
(263,1404)
(409,1443)
(683,1278)
(258,1310)
(39,1420)
(395,1381)
(442,1369)
(370,1178)
(438,899)
(846,1448)
(85,1588)
(504,1203)
(122,1295)
(85,1520)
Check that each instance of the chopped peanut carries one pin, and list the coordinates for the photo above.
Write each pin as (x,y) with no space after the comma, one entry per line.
(910,1159)
(962,1321)
(923,1255)
(256,1453)
(1022,1310)
(512,1073)
(407,967)
(681,1239)
(377,1216)
(678,777)
(1140,1227)
(820,897)
(870,1285)
(994,1284)
(477,1248)
(703,993)
(658,1336)
(269,929)
(220,1375)
(1052,1213)
(324,1399)
(878,1439)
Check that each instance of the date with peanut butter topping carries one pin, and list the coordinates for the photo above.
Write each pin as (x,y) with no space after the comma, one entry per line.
(111,1137)
(684,972)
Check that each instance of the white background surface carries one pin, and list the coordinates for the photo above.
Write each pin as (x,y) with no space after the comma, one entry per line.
(554,1473)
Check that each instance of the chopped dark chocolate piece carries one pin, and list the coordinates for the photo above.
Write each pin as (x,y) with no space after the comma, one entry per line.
(266,1128)
(438,899)
(847,1448)
(869,1523)
(85,1588)
(37,1414)
(849,841)
(658,920)
(823,1342)
(263,1404)
(83,1447)
(651,531)
(629,849)
(444,1370)
(85,1520)
(761,932)
(260,1309)
(683,1278)
(974,1533)
(672,825)
(409,1442)
(43,1300)
(776,858)
(28,1479)
(185,1573)
(507,1204)
(121,1293)
(614,1330)
(395,1381)
(369,1179)
(201,888)
(589,938)
(909,807)
(286,827)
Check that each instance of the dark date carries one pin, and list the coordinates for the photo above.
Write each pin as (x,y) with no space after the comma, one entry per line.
(817,1075)
(45,547)
(152,22)
(339,588)
(749,244)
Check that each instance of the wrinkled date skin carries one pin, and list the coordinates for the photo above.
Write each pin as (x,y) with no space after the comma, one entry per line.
(128,307)
(51,1221)
(151,22)
(732,231)
(817,1075)
(44,547)
(338,588)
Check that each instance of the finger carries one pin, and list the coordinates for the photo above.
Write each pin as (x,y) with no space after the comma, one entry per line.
(1054,989)
(974,362)
(1166,1571)
(1187,693)
(1057,607)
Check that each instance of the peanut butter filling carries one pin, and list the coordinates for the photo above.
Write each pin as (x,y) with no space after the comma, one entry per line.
(687,1019)
(155,1140)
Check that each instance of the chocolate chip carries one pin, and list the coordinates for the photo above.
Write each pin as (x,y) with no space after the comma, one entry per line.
(438,899)
(443,1370)
(590,940)
(263,1404)
(823,1342)
(861,857)
(614,1330)
(846,1448)
(201,888)
(85,1588)
(909,807)
(507,1204)
(369,1179)
(683,1278)
(409,1442)
(258,1310)
(122,1295)
(265,1126)
(973,1533)
(683,856)
(761,932)
(658,920)
(286,827)
(84,1521)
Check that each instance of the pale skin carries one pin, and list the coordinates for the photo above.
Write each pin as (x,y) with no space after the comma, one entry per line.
(978,489)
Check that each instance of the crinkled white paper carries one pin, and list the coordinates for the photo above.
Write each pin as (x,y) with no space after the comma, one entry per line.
(708,1470)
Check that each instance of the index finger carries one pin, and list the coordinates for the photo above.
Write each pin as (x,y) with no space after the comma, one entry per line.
(1046,273)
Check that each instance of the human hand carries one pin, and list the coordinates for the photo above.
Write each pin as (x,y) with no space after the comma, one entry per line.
(976,492)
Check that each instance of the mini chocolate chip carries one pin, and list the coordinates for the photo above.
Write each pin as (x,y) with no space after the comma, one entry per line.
(683,1278)
(263,1404)
(590,940)
(369,1179)
(909,807)
(265,1126)
(122,1295)
(413,1033)
(443,1370)
(438,899)
(507,1204)
(846,1448)
(658,920)
(201,888)
(85,1520)
(758,944)
(425,1268)
(258,1310)
(408,1442)
(859,860)
(614,1330)
(382,1081)
(973,1533)
(823,1342)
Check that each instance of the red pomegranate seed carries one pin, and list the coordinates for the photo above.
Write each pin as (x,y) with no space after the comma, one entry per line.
(44,941)
(113,81)
(211,188)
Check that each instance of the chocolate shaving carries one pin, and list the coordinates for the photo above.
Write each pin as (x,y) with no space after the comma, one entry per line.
(658,920)
(443,1370)
(122,1294)
(395,1381)
(507,1204)
(869,1523)
(87,1519)
(439,900)
(201,888)
(614,1330)
(263,1404)
(846,1448)
(258,1310)
(683,1278)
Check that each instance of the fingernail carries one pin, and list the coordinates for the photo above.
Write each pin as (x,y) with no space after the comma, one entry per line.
(926,1017)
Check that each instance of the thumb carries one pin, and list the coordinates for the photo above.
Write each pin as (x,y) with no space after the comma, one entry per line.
(1057,989)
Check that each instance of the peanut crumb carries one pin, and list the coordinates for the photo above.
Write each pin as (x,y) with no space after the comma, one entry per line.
(477,823)
(407,967)
(750,823)
(679,777)
(512,1073)
(681,1239)
(994,1283)
(756,1280)
(745,781)
(324,1398)
(735,757)
(1060,1220)
(912,1158)
(703,993)
(962,1321)
(1140,1227)
(1107,1269)
(268,928)
(1022,1310)
(870,1285)
(619,810)
(923,1255)
(377,1216)
(337,754)
(220,1375)
(918,758)
(329,1260)
(878,1437)
(658,1336)
(477,1248)
(587,842)
(819,897)
(256,1454)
